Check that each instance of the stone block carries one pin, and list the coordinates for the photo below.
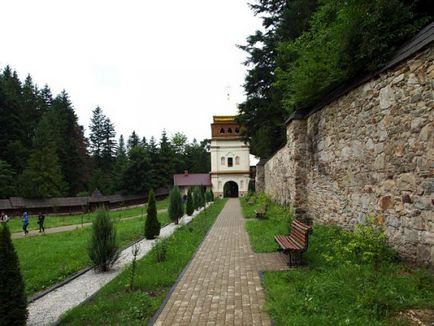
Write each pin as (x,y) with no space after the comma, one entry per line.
(385,202)
(387,97)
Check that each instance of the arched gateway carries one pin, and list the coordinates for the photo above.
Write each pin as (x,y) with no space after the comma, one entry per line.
(230,158)
(230,189)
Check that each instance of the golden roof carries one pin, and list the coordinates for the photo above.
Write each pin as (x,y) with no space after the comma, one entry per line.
(224,118)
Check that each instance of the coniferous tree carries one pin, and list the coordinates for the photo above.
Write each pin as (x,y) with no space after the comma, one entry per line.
(196,198)
(136,175)
(121,163)
(7,180)
(176,209)
(71,144)
(165,166)
(13,301)
(133,140)
(103,248)
(152,225)
(189,209)
(43,176)
(97,134)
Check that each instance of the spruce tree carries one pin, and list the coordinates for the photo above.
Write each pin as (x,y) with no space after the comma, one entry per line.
(43,176)
(13,301)
(7,180)
(103,248)
(133,141)
(152,225)
(189,209)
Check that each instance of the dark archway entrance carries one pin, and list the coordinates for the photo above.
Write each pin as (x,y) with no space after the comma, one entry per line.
(230,189)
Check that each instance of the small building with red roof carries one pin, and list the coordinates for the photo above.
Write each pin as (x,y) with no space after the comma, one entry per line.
(189,180)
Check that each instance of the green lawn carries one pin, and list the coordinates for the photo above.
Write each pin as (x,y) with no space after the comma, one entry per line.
(115,304)
(262,232)
(343,282)
(48,259)
(15,224)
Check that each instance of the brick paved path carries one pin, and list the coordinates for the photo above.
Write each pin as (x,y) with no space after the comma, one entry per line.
(221,286)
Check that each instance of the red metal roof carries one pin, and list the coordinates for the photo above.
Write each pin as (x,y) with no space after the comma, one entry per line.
(194,179)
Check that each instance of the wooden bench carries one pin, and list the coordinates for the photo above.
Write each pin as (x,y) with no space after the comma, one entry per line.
(262,211)
(296,242)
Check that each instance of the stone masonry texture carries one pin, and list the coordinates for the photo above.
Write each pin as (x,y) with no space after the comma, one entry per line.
(368,153)
(221,286)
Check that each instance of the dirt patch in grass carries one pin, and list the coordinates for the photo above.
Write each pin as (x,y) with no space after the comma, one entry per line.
(419,317)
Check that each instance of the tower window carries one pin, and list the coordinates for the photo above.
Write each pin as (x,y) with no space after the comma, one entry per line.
(223,161)
(237,160)
(230,162)
(222,130)
(229,130)
(237,130)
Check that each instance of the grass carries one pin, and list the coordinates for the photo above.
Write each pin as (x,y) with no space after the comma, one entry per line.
(49,259)
(116,304)
(262,232)
(341,284)
(15,224)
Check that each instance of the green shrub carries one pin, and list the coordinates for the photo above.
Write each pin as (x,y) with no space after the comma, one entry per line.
(176,209)
(366,245)
(161,250)
(211,195)
(189,209)
(152,225)
(13,302)
(103,249)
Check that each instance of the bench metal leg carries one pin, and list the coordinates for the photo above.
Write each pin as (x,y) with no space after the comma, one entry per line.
(294,258)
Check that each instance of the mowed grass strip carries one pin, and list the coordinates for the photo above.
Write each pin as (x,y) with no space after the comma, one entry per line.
(336,288)
(49,259)
(262,232)
(116,304)
(15,224)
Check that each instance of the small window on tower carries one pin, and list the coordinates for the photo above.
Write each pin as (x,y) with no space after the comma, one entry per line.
(237,160)
(229,130)
(223,161)
(237,130)
(222,131)
(230,162)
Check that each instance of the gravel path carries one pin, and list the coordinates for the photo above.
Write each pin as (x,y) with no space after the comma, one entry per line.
(49,308)
(66,228)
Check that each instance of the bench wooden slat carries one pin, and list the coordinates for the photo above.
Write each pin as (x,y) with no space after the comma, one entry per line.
(296,242)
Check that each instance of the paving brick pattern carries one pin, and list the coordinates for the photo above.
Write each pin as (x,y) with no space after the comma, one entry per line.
(222,286)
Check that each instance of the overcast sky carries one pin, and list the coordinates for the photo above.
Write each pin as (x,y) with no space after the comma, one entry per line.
(150,65)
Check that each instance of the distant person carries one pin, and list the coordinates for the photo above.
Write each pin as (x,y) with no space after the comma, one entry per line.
(5,218)
(41,220)
(25,222)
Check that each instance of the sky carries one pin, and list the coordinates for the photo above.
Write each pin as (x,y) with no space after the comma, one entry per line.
(150,65)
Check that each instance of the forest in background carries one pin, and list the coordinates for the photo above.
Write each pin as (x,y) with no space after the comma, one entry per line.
(44,151)
(307,48)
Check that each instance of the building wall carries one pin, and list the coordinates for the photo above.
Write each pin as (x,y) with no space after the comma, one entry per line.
(368,153)
(220,174)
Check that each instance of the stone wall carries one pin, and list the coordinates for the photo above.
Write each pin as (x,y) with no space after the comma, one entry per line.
(368,153)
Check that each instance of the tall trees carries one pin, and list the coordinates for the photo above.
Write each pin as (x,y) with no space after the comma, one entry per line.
(262,112)
(43,177)
(308,47)
(103,149)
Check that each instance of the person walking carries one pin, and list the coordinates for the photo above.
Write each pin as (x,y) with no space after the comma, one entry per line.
(41,220)
(25,222)
(2,217)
